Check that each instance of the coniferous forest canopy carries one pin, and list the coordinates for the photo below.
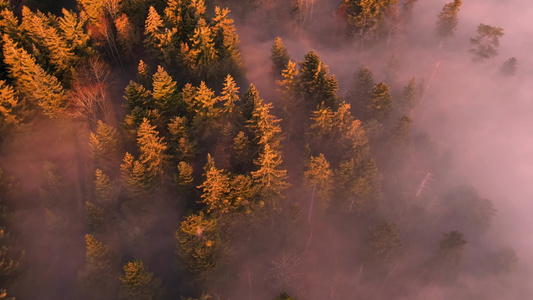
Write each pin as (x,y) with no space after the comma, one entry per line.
(246,149)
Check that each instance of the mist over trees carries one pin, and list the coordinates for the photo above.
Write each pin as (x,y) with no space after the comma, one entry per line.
(141,158)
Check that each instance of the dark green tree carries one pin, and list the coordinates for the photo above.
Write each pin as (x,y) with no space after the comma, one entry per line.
(279,56)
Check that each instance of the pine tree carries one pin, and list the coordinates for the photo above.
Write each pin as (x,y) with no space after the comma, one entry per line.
(159,40)
(104,143)
(9,24)
(279,56)
(361,90)
(144,75)
(318,178)
(99,278)
(380,103)
(409,97)
(367,17)
(288,85)
(95,217)
(508,67)
(184,179)
(152,148)
(126,35)
(10,107)
(201,57)
(242,151)
(59,54)
(226,42)
(138,283)
(183,147)
(269,179)
(136,177)
(401,135)
(215,188)
(164,91)
(73,29)
(105,191)
(449,257)
(199,246)
(138,96)
(264,125)
(229,97)
(32,81)
(447,19)
(384,243)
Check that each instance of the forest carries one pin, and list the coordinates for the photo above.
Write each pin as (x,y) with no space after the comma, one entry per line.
(246,149)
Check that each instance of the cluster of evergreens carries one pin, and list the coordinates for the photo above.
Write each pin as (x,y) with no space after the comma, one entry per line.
(316,195)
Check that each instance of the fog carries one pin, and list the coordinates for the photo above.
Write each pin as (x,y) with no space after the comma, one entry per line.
(482,117)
